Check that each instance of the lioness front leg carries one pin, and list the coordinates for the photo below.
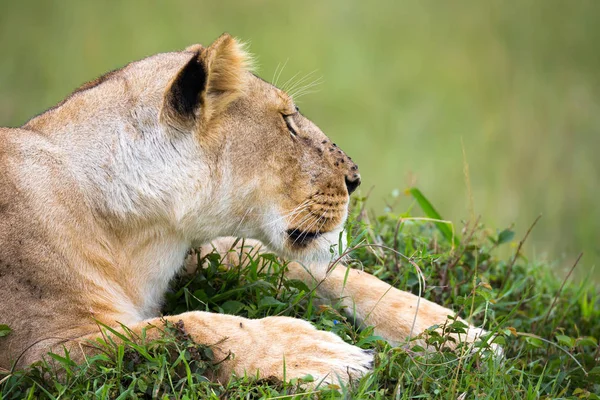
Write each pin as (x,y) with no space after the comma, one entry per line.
(279,347)
(396,315)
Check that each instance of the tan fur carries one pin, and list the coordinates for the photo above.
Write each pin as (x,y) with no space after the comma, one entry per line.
(102,196)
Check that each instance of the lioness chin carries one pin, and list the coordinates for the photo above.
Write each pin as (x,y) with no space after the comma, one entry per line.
(102,196)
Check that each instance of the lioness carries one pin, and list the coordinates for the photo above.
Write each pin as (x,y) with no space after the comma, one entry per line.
(102,196)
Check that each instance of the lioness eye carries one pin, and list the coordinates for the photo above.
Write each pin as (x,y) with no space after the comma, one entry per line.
(288,123)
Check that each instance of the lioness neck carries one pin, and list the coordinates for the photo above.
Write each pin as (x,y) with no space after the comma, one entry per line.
(144,186)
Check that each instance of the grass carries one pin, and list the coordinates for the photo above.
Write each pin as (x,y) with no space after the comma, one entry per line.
(549,328)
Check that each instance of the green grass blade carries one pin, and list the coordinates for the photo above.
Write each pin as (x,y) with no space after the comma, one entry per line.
(443,226)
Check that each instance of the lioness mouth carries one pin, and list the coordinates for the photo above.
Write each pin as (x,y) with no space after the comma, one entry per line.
(301,238)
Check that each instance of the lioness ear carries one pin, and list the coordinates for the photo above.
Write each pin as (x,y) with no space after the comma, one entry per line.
(207,84)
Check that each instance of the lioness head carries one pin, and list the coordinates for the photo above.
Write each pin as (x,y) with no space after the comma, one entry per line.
(285,182)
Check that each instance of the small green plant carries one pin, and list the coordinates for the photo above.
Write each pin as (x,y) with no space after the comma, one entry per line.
(548,328)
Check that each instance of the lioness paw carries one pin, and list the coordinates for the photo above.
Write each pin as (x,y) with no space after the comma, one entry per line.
(290,348)
(329,360)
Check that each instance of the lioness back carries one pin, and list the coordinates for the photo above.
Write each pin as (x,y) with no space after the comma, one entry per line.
(32,273)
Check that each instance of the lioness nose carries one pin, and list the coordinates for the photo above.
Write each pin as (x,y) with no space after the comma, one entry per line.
(352,182)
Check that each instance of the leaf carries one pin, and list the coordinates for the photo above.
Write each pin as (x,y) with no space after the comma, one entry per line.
(594,374)
(66,362)
(297,284)
(587,341)
(269,301)
(535,342)
(565,340)
(457,327)
(328,322)
(499,340)
(201,295)
(505,236)
(208,353)
(369,339)
(232,307)
(431,212)
(125,394)
(4,330)
(142,385)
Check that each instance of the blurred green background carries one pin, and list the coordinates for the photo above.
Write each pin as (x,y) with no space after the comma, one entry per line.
(405,85)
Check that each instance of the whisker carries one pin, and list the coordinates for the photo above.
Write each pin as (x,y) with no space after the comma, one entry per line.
(288,82)
(276,78)
(235,231)
(303,206)
(304,78)
(291,212)
(304,220)
(307,229)
(275,73)
(299,209)
(298,95)
(322,223)
(301,82)
(308,84)
(298,212)
(293,220)
(276,220)
(302,90)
